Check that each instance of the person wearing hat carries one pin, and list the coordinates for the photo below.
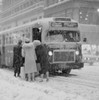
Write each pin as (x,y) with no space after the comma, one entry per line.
(17,58)
(28,52)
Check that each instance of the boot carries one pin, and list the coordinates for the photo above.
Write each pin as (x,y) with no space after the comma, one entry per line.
(42,76)
(47,76)
(19,75)
(15,74)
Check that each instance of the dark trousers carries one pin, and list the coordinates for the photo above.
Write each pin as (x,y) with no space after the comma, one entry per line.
(17,70)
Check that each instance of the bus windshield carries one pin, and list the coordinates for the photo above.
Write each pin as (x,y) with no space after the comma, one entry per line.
(63,35)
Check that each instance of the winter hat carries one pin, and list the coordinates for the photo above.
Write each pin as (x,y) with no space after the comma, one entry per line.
(20,42)
(27,40)
(36,43)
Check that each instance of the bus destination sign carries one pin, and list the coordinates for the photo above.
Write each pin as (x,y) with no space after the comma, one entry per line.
(64,24)
(62,19)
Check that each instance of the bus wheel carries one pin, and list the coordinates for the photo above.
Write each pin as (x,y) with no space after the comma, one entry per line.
(66,71)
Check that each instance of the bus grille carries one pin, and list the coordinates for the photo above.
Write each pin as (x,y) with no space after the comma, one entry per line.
(64,56)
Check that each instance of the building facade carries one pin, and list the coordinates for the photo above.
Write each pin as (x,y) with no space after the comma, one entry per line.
(18,12)
(84,11)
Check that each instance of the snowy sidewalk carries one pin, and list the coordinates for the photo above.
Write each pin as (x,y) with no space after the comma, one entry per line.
(12,88)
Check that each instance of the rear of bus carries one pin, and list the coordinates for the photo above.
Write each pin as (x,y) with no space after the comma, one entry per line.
(63,40)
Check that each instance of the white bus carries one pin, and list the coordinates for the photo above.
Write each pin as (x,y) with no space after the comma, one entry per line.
(61,35)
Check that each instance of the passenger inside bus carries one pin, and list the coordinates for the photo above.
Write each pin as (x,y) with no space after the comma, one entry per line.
(36,34)
(69,37)
(53,36)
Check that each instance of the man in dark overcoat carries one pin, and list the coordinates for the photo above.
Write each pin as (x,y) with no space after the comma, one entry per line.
(17,58)
(42,57)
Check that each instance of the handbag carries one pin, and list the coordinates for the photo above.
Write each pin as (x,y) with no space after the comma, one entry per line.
(22,74)
(38,66)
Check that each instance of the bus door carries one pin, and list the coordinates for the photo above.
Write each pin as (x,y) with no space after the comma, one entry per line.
(36,34)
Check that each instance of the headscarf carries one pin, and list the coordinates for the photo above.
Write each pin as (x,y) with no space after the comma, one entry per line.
(36,43)
(27,40)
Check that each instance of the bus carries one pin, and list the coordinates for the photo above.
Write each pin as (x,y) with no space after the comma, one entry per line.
(60,34)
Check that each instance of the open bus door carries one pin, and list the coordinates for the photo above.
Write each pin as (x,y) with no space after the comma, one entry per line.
(36,34)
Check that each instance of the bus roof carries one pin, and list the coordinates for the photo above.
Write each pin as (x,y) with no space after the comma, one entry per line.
(43,20)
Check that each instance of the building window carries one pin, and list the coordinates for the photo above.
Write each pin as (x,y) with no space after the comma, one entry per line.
(86,15)
(20,7)
(33,19)
(51,2)
(0,40)
(69,13)
(40,17)
(55,1)
(26,21)
(59,14)
(60,0)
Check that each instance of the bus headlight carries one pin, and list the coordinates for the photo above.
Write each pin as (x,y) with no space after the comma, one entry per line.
(50,53)
(77,52)
(85,58)
(88,58)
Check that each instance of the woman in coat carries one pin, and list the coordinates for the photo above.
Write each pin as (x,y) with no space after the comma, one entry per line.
(28,52)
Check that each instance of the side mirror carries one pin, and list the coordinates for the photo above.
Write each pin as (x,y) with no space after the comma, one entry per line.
(84,39)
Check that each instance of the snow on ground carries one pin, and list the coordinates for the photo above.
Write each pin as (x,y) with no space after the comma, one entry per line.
(86,92)
(12,88)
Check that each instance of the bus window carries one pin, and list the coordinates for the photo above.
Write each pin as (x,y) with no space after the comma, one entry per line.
(36,34)
(0,40)
(27,33)
(53,36)
(10,39)
(7,39)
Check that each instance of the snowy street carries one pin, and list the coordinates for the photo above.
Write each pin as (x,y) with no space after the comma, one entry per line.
(79,85)
(49,49)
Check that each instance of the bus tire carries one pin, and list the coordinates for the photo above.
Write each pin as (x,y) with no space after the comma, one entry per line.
(66,71)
